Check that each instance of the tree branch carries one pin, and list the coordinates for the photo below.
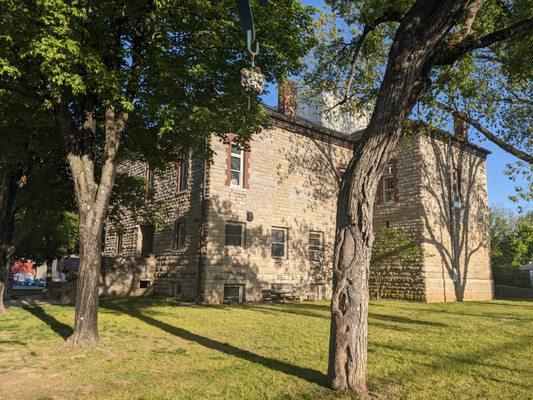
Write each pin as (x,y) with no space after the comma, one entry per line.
(453,52)
(389,16)
(488,134)
(471,13)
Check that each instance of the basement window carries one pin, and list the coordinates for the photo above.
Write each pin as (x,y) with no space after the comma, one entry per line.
(144,284)
(233,293)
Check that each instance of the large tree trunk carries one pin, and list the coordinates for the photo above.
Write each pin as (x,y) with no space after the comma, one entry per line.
(8,194)
(85,333)
(92,199)
(406,77)
(2,287)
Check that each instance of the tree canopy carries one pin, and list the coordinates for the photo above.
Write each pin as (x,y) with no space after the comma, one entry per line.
(489,87)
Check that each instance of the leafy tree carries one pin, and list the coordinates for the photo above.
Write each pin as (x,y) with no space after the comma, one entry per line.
(29,168)
(395,55)
(511,246)
(147,78)
(393,256)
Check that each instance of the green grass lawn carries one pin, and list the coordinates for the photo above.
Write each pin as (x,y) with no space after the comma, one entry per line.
(156,349)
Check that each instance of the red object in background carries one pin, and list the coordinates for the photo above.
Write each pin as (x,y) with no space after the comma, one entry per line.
(23,266)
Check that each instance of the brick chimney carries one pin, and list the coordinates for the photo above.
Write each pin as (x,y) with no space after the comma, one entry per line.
(460,129)
(287,97)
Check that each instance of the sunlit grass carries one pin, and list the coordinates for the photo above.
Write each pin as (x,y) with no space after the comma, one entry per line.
(156,349)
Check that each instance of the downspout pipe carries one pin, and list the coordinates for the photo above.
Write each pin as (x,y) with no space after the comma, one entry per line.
(202,232)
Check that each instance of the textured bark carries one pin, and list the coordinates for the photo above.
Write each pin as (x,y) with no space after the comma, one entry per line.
(2,287)
(407,76)
(92,199)
(11,183)
(85,333)
(49,263)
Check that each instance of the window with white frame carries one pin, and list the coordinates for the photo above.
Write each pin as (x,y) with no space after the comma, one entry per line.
(236,166)
(278,241)
(233,234)
(316,245)
(388,184)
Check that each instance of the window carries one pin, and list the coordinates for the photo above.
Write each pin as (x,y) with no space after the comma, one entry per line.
(277,242)
(147,240)
(387,224)
(388,184)
(236,166)
(316,246)
(180,232)
(233,234)
(233,293)
(144,284)
(150,179)
(183,174)
(119,243)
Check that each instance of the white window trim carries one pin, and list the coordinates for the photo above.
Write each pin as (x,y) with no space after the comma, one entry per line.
(285,242)
(240,156)
(388,173)
(321,246)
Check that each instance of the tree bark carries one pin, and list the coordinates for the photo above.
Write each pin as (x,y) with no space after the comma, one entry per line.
(92,199)
(11,183)
(2,287)
(406,77)
(85,334)
(49,273)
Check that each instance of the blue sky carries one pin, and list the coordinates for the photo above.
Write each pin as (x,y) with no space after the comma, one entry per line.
(500,187)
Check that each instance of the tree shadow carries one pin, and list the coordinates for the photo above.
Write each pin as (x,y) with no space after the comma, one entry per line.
(460,233)
(58,327)
(308,374)
(307,311)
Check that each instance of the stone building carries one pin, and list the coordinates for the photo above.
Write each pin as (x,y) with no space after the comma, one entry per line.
(260,223)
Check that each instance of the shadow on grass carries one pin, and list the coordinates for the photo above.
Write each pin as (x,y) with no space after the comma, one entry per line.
(58,327)
(468,362)
(307,374)
(303,310)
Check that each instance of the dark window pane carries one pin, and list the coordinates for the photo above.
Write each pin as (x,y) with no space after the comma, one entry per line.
(278,235)
(233,235)
(278,249)
(184,175)
(179,235)
(235,178)
(235,164)
(233,229)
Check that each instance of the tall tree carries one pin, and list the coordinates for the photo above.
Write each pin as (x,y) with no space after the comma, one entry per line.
(151,77)
(404,51)
(28,160)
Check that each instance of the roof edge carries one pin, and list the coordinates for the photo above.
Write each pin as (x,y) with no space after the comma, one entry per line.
(307,128)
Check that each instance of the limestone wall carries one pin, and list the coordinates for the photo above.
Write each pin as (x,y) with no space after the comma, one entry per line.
(469,251)
(293,184)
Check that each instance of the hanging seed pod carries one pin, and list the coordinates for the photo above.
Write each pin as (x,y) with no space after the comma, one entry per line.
(252,80)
